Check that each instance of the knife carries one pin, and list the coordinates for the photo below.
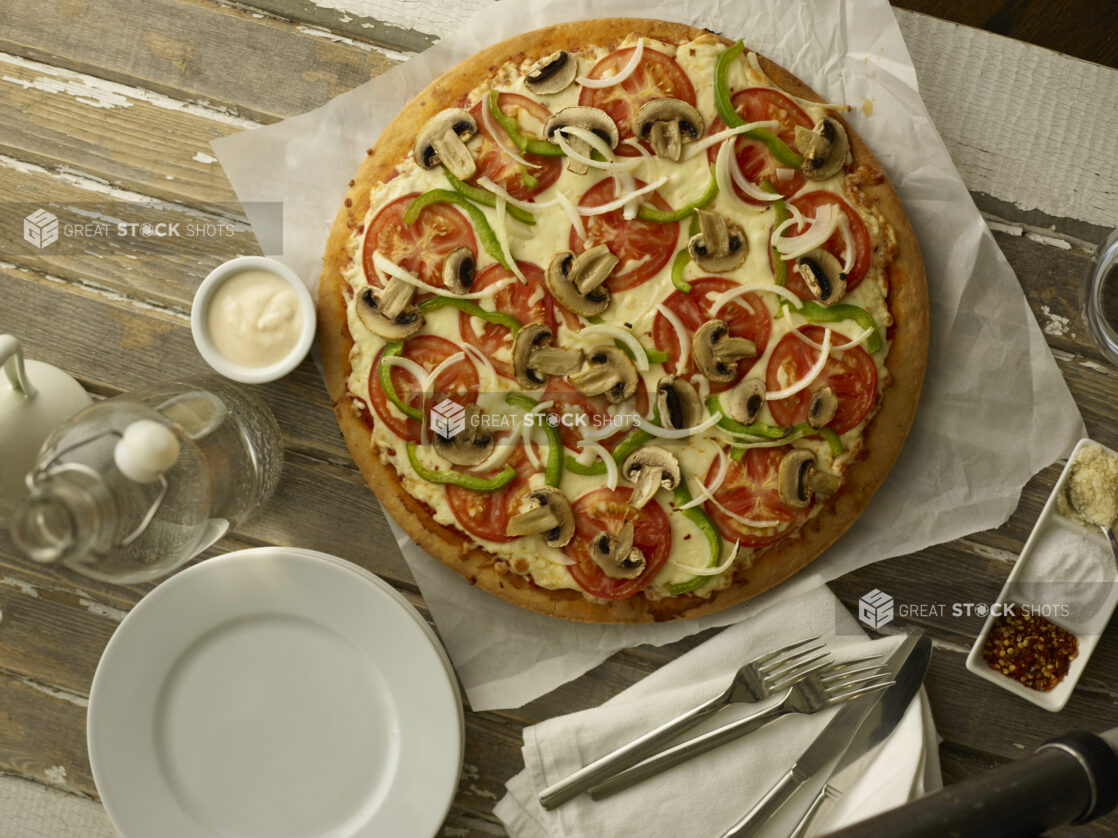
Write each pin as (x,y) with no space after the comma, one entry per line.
(874,730)
(910,662)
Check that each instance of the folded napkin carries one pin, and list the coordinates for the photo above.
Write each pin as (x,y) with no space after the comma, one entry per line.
(708,794)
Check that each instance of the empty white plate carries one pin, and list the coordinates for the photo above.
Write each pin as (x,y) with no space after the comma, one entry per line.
(275,693)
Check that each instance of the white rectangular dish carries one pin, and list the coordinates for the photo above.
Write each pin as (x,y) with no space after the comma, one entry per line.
(1083,608)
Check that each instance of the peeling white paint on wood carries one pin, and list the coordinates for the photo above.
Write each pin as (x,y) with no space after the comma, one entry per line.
(1002,105)
(1054,324)
(438,19)
(202,157)
(319,32)
(101,93)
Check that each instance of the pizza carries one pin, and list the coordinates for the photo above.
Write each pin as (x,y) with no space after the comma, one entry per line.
(622,322)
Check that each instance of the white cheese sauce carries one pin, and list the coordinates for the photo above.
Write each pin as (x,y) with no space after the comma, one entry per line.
(254,318)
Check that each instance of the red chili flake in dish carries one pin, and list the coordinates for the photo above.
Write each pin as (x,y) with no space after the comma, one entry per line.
(1030,649)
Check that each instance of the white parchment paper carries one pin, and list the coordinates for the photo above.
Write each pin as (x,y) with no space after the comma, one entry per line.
(995,409)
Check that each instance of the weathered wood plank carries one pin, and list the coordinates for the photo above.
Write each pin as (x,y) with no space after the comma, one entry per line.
(43,736)
(358,20)
(125,136)
(281,69)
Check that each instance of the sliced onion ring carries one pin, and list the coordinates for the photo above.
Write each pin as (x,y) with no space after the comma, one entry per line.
(625,72)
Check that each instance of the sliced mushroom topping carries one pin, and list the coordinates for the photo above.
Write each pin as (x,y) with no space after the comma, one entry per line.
(443,140)
(609,372)
(717,354)
(650,468)
(668,124)
(678,403)
(580,116)
(799,479)
(822,274)
(471,445)
(616,555)
(534,358)
(459,268)
(552,74)
(744,402)
(388,311)
(822,407)
(551,517)
(576,281)
(825,148)
(719,246)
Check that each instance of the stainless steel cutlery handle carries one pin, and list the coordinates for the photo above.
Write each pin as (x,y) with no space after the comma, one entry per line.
(623,757)
(805,822)
(682,752)
(766,807)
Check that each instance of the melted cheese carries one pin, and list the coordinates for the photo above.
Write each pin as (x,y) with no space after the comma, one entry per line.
(686,180)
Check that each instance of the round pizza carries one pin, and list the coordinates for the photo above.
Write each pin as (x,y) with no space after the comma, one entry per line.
(622,322)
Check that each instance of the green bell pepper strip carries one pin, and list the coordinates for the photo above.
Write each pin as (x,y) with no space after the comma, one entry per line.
(815,313)
(780,272)
(484,231)
(512,128)
(553,471)
(385,374)
(471,308)
(733,119)
(698,517)
(648,213)
(654,356)
(774,432)
(627,446)
(458,478)
(681,261)
(487,198)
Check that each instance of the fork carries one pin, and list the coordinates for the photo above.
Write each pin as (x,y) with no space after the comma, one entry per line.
(762,677)
(820,689)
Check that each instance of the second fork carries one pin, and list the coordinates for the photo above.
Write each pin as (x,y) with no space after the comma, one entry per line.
(834,684)
(760,678)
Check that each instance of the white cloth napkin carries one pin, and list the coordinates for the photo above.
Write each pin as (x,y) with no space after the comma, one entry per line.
(709,793)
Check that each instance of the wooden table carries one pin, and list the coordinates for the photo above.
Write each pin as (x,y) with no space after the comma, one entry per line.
(116,101)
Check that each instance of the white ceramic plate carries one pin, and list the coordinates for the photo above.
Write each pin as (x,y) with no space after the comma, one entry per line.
(275,693)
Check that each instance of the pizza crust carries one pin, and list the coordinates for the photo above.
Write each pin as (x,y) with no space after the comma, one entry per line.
(906,361)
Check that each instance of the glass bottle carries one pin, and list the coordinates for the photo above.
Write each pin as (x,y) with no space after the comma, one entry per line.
(133,487)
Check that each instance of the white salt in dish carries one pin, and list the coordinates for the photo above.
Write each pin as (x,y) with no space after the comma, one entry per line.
(1065,573)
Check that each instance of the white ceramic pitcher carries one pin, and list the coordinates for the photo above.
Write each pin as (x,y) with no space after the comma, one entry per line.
(34,399)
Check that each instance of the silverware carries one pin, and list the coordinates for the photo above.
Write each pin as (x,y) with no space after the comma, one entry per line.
(760,678)
(874,729)
(910,663)
(831,685)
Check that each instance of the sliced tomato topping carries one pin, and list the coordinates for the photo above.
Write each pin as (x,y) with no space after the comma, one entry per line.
(751,490)
(644,247)
(504,170)
(658,76)
(761,104)
(528,303)
(853,377)
(747,316)
(578,413)
(486,514)
(458,382)
(605,510)
(420,247)
(809,203)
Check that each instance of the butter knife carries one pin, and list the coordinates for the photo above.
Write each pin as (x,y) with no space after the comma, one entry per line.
(910,662)
(874,730)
